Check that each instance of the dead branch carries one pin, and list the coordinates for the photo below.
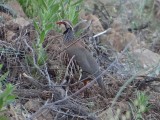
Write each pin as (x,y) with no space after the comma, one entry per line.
(28,93)
(33,81)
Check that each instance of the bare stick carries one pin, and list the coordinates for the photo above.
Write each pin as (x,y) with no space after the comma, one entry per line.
(69,65)
(33,81)
(34,60)
(101,33)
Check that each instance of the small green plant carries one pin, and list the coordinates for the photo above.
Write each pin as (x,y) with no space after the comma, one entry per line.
(141,105)
(6,96)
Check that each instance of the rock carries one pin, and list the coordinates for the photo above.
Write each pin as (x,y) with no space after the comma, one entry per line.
(156,88)
(96,25)
(146,60)
(156,9)
(14,112)
(14,26)
(10,35)
(106,115)
(17,23)
(146,57)
(5,17)
(21,21)
(110,113)
(32,105)
(120,40)
(46,116)
(17,8)
(119,37)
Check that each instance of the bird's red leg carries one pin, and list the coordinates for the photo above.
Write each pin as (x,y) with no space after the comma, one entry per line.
(86,93)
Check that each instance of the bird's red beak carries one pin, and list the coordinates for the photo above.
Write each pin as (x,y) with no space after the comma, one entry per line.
(60,22)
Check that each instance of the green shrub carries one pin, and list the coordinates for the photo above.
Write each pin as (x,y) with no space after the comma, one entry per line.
(45,14)
(6,96)
(140,105)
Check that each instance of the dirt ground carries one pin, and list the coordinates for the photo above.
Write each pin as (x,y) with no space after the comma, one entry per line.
(39,100)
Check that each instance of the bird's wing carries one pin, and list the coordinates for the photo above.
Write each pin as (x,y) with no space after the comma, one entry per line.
(83,57)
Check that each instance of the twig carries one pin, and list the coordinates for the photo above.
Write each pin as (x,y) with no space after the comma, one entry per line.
(68,105)
(33,81)
(28,93)
(34,60)
(101,33)
(66,73)
(47,75)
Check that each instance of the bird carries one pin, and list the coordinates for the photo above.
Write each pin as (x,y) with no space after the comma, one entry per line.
(82,56)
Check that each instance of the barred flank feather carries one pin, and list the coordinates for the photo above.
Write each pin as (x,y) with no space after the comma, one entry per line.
(74,68)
